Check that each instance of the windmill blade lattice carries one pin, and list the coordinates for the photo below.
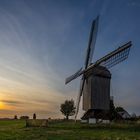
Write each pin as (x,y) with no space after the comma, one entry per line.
(74,76)
(117,58)
(82,82)
(114,57)
(92,41)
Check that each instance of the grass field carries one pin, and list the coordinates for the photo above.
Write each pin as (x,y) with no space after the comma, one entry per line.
(16,130)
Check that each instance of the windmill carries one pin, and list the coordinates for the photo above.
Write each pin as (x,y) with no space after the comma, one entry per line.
(95,81)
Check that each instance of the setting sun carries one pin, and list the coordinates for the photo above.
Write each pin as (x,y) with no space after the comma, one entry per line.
(2,106)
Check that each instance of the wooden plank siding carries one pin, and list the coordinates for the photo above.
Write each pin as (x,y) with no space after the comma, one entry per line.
(96,93)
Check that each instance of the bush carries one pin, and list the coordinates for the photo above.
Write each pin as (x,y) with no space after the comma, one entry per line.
(24,117)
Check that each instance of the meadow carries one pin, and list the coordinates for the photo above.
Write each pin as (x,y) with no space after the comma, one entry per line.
(62,130)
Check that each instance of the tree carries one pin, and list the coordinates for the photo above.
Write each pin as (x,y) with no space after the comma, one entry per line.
(24,117)
(120,109)
(113,113)
(34,116)
(68,108)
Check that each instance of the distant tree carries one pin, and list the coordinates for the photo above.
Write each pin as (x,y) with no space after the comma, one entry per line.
(49,118)
(68,108)
(34,116)
(24,117)
(15,117)
(120,109)
(113,113)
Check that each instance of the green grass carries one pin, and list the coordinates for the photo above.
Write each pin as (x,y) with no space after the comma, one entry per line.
(16,130)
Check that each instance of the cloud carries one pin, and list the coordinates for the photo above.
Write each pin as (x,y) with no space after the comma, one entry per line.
(11,102)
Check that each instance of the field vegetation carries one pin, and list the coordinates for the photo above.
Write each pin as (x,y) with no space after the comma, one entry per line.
(68,130)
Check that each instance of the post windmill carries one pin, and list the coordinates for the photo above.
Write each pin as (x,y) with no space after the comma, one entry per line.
(95,81)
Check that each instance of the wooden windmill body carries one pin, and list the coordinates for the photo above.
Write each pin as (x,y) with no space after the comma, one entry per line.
(96,92)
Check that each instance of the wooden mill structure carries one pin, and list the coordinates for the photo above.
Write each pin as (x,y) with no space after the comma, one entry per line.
(95,81)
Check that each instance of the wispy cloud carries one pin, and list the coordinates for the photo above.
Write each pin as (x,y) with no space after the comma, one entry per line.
(11,102)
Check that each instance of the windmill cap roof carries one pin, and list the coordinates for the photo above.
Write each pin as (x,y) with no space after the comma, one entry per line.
(99,71)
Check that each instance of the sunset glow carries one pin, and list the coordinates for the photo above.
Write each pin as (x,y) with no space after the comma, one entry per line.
(2,106)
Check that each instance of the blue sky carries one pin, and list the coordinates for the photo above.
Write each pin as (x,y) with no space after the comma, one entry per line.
(44,41)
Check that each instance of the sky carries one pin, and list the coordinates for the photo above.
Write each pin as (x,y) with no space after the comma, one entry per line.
(44,41)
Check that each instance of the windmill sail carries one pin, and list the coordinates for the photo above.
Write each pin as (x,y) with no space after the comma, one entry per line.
(79,96)
(74,76)
(92,41)
(113,58)
(90,50)
(116,56)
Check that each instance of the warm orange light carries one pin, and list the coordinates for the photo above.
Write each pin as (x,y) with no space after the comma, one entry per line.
(2,106)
